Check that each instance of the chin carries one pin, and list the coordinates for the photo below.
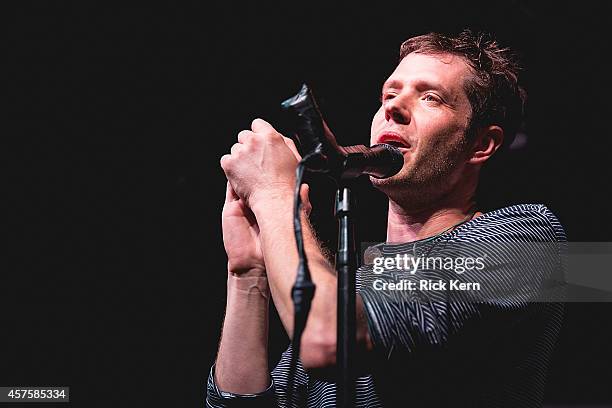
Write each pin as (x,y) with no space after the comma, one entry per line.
(408,182)
(393,182)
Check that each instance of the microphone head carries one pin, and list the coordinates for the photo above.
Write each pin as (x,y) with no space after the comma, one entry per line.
(384,161)
(325,155)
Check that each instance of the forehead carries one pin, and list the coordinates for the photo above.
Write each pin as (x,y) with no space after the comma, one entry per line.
(445,70)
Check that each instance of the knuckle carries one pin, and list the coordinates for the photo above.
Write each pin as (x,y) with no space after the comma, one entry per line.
(274,136)
(243,135)
(255,138)
(225,161)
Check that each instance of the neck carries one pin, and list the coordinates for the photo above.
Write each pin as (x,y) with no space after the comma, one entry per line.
(406,224)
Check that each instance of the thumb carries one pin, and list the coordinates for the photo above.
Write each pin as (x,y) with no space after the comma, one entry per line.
(230,194)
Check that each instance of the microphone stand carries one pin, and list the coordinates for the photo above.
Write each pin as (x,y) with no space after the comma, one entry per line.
(342,164)
(345,268)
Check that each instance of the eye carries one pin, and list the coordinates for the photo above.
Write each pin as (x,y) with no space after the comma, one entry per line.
(432,98)
(386,96)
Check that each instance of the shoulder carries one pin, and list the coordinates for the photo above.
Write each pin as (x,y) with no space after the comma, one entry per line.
(524,222)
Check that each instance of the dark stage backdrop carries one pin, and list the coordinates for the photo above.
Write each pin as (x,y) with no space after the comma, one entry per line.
(119,114)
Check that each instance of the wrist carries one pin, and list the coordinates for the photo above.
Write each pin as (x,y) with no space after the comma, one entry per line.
(250,285)
(275,197)
(242,271)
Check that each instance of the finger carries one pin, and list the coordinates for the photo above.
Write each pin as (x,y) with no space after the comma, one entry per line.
(289,142)
(244,135)
(230,194)
(260,125)
(237,147)
(225,159)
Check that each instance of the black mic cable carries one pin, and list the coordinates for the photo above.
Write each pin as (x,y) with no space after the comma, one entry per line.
(303,289)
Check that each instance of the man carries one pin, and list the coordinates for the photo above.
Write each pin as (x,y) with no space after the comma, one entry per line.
(448,106)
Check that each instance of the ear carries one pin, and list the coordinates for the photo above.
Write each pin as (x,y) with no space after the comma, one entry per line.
(488,140)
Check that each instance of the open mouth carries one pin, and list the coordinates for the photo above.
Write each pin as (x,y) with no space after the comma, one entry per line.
(394,140)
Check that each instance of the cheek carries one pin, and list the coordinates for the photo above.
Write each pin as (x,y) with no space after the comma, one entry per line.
(377,124)
(442,129)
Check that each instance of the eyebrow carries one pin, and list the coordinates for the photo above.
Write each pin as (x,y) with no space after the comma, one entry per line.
(423,84)
(393,83)
(419,85)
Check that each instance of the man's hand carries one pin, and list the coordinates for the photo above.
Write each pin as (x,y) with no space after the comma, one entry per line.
(261,165)
(240,229)
(241,237)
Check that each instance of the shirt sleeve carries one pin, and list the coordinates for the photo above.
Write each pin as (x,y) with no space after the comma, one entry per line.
(216,398)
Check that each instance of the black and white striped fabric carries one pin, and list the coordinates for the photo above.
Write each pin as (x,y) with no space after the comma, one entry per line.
(432,351)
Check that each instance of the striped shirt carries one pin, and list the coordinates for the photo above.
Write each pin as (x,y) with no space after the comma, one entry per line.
(431,350)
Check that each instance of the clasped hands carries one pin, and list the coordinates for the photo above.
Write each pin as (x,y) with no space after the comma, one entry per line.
(260,169)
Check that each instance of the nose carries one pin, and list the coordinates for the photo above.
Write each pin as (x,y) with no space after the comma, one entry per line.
(396,110)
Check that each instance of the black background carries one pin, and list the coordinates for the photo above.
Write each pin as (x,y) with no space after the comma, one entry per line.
(119,114)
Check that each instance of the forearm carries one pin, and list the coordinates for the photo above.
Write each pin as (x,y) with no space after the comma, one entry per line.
(242,360)
(275,220)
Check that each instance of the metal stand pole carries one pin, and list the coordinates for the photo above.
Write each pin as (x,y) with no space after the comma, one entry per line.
(345,267)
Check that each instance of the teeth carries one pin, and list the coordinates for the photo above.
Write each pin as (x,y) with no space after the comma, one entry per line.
(396,144)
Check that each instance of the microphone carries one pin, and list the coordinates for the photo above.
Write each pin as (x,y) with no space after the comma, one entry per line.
(322,153)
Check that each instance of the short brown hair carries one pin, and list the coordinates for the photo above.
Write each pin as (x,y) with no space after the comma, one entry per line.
(493,92)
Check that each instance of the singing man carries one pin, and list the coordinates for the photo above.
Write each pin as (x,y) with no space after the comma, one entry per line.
(450,104)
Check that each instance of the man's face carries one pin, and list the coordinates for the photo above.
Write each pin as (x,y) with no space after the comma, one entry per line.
(425,112)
